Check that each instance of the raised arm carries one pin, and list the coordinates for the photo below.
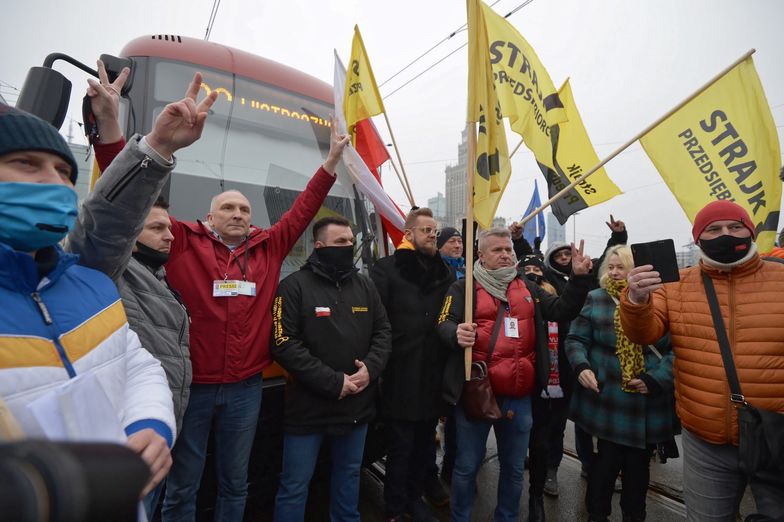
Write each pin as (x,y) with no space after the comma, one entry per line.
(292,224)
(113,214)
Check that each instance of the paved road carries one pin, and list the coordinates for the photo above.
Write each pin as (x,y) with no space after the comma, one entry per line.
(664,502)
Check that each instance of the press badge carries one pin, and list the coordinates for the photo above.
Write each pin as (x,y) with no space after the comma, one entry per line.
(233,288)
(510,327)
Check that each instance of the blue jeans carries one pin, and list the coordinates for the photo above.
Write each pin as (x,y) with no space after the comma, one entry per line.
(512,438)
(232,412)
(300,453)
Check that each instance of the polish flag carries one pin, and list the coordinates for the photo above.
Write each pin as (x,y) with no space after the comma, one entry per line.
(323,311)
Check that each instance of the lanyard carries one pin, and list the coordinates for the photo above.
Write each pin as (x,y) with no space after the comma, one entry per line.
(243,267)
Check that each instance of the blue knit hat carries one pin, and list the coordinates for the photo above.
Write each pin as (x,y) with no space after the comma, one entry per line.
(20,130)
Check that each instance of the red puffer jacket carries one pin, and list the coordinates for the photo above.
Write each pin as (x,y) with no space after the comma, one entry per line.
(230,335)
(512,365)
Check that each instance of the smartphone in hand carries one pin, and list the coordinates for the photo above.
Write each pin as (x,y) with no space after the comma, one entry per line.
(660,254)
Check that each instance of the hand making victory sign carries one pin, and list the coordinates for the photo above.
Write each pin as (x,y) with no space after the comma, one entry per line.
(181,123)
(581,264)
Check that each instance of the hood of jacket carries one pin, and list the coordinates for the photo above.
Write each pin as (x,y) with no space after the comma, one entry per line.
(557,245)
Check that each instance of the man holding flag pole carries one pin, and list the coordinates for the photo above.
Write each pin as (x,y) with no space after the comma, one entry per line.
(507,325)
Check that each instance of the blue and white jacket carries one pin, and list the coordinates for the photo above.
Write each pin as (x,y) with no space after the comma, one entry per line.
(69,323)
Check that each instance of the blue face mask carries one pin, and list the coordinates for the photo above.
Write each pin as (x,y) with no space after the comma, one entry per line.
(35,215)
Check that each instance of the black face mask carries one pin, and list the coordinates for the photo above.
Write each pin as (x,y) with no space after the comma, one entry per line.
(149,256)
(338,258)
(726,249)
(536,278)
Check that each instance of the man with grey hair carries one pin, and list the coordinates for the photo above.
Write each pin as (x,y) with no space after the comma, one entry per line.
(509,333)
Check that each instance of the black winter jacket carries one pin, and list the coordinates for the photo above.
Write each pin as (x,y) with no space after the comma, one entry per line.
(546,308)
(412,289)
(320,326)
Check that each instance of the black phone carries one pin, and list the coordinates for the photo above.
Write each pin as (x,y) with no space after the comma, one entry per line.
(660,254)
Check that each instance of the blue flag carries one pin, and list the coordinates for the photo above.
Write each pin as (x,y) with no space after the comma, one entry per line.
(535,227)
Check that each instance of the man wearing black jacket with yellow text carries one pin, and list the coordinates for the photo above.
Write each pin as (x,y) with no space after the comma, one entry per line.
(332,335)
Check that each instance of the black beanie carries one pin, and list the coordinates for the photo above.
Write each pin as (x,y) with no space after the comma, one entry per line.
(445,234)
(534,260)
(20,131)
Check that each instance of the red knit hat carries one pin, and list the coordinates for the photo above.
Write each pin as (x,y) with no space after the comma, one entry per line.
(719,211)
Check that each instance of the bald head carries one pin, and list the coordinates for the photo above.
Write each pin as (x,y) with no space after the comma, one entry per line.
(217,199)
(230,216)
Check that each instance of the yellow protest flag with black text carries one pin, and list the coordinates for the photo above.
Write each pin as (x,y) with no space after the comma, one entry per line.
(361,99)
(723,144)
(492,169)
(574,155)
(526,93)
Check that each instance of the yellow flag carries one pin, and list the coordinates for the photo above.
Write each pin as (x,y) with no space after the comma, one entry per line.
(574,155)
(723,144)
(492,168)
(525,91)
(361,99)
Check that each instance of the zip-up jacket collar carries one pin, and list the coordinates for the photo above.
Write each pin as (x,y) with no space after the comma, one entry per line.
(19,271)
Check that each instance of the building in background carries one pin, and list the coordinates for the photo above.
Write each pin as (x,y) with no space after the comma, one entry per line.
(499,222)
(438,205)
(689,256)
(556,232)
(456,185)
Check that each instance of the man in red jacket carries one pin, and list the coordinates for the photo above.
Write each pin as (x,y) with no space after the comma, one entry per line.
(227,271)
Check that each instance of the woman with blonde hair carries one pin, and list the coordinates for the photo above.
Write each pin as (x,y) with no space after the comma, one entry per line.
(625,397)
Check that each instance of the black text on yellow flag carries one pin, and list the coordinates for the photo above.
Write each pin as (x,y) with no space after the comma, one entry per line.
(491,168)
(723,144)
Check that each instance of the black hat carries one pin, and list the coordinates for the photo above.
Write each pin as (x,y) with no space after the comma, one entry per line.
(20,131)
(445,234)
(532,260)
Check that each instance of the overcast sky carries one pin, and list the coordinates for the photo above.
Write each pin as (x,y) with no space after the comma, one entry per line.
(629,62)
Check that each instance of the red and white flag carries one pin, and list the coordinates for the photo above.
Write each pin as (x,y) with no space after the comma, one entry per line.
(359,166)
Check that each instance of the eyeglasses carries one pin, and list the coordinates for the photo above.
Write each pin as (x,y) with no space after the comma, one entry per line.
(425,230)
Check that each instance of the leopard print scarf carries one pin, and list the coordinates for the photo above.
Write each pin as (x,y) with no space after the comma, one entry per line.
(629,354)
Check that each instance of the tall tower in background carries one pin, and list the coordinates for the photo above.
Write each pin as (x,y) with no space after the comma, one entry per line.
(556,233)
(438,205)
(456,184)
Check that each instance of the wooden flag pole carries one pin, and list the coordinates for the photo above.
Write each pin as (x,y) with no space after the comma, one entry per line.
(409,196)
(639,135)
(469,244)
(400,160)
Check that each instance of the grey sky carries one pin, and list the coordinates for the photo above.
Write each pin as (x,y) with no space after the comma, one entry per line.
(629,62)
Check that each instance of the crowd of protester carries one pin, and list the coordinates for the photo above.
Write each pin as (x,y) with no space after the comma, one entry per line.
(173,322)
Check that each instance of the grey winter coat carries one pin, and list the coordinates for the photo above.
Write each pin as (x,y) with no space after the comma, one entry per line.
(110,220)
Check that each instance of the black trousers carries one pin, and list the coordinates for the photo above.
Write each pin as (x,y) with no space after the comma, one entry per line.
(410,453)
(612,459)
(546,434)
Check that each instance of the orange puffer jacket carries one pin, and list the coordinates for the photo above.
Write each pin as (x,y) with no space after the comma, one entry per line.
(751,297)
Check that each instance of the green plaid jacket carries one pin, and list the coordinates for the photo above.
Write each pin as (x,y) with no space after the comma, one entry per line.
(630,419)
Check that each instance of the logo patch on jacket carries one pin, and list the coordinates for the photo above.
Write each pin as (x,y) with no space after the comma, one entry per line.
(528,298)
(355,309)
(323,311)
